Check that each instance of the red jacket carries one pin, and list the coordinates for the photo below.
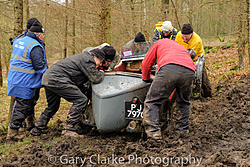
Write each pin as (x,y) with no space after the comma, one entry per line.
(166,51)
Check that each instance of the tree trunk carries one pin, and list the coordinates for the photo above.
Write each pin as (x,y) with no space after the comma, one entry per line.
(18,13)
(74,29)
(108,20)
(143,18)
(190,12)
(12,101)
(81,32)
(1,71)
(164,9)
(18,29)
(241,44)
(248,31)
(66,30)
(176,15)
(105,21)
(144,13)
(132,8)
(27,10)
(46,18)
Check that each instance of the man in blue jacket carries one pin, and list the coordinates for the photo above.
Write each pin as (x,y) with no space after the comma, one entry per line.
(29,122)
(29,24)
(27,65)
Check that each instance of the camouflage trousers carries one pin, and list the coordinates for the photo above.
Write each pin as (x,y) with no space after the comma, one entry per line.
(168,78)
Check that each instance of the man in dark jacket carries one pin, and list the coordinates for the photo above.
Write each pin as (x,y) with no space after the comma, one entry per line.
(66,79)
(138,45)
(176,71)
(27,65)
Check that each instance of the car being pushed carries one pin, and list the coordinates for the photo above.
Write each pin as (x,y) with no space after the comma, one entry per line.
(117,102)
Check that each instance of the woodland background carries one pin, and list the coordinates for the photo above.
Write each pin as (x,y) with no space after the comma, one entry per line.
(219,131)
(72,25)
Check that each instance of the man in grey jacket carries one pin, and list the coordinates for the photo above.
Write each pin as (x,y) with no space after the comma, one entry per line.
(66,79)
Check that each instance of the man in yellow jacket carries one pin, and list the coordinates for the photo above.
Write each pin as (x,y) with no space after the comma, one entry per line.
(190,40)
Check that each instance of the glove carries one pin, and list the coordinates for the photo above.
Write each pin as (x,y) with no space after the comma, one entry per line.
(192,53)
(148,81)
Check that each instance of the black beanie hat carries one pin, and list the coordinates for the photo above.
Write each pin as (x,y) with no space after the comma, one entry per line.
(37,27)
(31,21)
(140,37)
(98,53)
(186,29)
(109,52)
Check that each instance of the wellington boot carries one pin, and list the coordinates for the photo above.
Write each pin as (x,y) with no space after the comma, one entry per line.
(36,132)
(42,122)
(40,126)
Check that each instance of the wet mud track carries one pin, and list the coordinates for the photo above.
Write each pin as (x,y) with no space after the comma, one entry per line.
(217,137)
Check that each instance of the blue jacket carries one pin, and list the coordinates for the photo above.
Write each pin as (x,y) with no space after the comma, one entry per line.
(27,65)
(19,36)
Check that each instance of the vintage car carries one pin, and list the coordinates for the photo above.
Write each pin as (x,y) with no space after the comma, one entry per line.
(117,102)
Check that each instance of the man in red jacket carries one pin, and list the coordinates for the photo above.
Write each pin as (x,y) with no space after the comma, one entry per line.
(175,71)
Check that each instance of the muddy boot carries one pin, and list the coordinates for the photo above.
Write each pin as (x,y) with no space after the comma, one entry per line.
(72,130)
(30,122)
(153,134)
(13,135)
(40,126)
(196,92)
(156,136)
(196,95)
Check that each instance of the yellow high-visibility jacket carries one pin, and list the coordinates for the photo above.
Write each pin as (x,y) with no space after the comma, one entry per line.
(194,43)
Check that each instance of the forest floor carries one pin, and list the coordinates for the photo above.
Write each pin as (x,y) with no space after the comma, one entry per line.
(218,132)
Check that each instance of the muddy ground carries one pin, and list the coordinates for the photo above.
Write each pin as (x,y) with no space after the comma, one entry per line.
(218,137)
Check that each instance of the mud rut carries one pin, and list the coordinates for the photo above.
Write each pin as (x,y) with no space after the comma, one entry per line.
(218,136)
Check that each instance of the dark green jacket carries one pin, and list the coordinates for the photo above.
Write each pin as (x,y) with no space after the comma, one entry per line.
(74,70)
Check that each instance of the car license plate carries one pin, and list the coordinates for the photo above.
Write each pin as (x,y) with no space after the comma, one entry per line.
(134,109)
